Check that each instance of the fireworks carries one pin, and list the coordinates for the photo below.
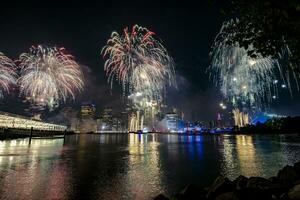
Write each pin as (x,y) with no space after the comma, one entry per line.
(7,74)
(243,80)
(240,118)
(49,76)
(139,62)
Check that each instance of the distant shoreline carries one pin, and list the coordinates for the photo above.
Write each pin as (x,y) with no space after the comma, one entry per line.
(13,136)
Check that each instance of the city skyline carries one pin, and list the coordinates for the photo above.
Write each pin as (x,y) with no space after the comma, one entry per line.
(188,39)
(150,100)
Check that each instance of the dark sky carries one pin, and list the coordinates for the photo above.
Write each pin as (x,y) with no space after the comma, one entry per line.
(186,28)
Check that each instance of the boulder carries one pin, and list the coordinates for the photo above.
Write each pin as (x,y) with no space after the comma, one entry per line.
(297,169)
(226,196)
(287,175)
(275,180)
(284,196)
(258,182)
(252,194)
(241,182)
(220,185)
(294,193)
(161,197)
(297,182)
(191,191)
(276,190)
(271,186)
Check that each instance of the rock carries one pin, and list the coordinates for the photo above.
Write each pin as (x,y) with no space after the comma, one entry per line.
(297,182)
(191,191)
(294,193)
(252,193)
(284,196)
(297,169)
(258,182)
(275,188)
(161,197)
(275,180)
(287,175)
(226,196)
(220,185)
(241,182)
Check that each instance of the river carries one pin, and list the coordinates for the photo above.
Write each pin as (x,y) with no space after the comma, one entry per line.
(131,166)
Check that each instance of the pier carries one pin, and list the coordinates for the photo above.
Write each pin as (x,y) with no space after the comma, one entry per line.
(17,126)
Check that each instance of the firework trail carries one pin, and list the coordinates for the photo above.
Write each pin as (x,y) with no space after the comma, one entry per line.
(244,81)
(48,76)
(138,62)
(7,74)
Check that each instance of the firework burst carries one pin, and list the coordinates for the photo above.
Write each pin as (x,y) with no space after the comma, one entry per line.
(7,74)
(139,62)
(243,80)
(48,76)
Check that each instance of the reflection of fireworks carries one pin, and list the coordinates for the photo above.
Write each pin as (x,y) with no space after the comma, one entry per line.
(7,74)
(49,75)
(139,62)
(243,80)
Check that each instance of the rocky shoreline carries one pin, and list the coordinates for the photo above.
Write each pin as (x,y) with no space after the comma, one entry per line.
(284,186)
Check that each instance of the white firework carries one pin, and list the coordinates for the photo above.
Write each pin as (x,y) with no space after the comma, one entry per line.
(243,80)
(49,76)
(139,62)
(7,74)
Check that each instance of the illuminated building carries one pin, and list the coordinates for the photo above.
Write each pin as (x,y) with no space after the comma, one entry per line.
(262,117)
(106,120)
(87,122)
(172,122)
(116,124)
(88,125)
(219,120)
(107,114)
(88,110)
(109,122)
(8,120)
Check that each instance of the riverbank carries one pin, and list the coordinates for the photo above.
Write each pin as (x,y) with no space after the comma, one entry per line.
(284,186)
(287,125)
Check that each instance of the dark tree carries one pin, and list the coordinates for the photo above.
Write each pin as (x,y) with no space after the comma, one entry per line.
(269,25)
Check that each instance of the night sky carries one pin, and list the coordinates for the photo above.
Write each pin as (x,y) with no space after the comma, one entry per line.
(186,29)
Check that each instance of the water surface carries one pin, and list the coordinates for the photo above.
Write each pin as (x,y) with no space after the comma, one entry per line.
(121,166)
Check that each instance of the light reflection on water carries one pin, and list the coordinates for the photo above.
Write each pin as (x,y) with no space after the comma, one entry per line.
(33,171)
(115,166)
